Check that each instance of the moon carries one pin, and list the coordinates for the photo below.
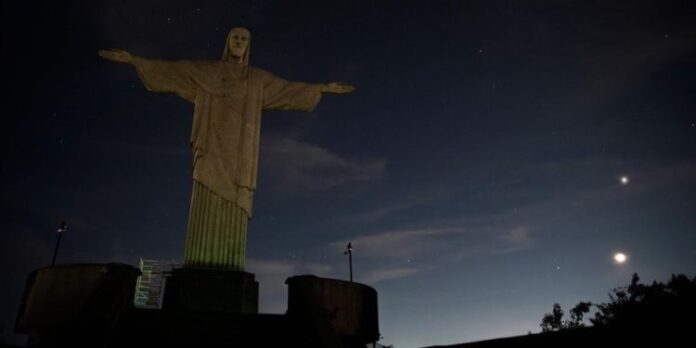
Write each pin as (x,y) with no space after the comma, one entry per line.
(620,258)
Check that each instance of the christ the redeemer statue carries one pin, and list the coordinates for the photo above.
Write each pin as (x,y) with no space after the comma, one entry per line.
(229,97)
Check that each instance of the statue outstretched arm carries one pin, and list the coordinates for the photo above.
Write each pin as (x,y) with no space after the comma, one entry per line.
(337,88)
(116,55)
(280,94)
(158,75)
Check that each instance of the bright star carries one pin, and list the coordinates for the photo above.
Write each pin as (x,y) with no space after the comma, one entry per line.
(620,258)
(624,180)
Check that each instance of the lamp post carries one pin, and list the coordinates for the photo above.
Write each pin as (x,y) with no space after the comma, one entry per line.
(61,230)
(349,251)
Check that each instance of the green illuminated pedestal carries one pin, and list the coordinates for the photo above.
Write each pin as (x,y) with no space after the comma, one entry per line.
(211,290)
(217,231)
(213,277)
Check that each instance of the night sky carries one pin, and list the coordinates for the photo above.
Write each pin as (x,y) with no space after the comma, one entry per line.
(476,168)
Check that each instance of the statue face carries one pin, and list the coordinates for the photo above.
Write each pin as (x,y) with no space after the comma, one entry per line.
(239,41)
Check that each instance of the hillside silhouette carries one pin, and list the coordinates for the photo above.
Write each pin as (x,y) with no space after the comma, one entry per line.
(657,314)
(658,306)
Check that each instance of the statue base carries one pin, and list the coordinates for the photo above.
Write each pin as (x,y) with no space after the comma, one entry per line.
(211,290)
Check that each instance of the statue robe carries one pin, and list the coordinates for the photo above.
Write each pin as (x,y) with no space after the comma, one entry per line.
(229,99)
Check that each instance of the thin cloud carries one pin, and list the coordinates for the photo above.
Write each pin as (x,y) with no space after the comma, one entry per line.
(272,273)
(456,239)
(601,193)
(400,244)
(417,197)
(512,228)
(300,165)
(320,270)
(515,239)
(384,274)
(407,253)
(271,268)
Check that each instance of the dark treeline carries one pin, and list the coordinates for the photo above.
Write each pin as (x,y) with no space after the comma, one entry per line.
(656,307)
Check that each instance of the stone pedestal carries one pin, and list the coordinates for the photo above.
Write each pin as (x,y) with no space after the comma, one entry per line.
(211,290)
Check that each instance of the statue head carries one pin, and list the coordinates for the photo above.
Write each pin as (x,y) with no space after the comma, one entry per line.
(237,46)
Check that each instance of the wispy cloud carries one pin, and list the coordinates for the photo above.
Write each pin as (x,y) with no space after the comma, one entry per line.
(300,165)
(272,273)
(321,270)
(400,244)
(284,268)
(271,268)
(406,253)
(399,253)
(428,243)
(383,274)
(409,198)
(562,204)
(518,238)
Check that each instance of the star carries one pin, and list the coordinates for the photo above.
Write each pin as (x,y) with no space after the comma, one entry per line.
(624,180)
(620,258)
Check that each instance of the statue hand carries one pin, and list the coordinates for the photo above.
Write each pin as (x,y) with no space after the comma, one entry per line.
(338,88)
(116,55)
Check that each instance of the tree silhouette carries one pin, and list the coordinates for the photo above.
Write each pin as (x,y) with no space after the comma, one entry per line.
(553,321)
(577,314)
(656,306)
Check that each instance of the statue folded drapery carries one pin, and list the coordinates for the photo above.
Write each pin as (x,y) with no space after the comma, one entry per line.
(229,97)
(228,100)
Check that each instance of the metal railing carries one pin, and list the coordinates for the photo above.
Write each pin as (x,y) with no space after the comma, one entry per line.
(150,285)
